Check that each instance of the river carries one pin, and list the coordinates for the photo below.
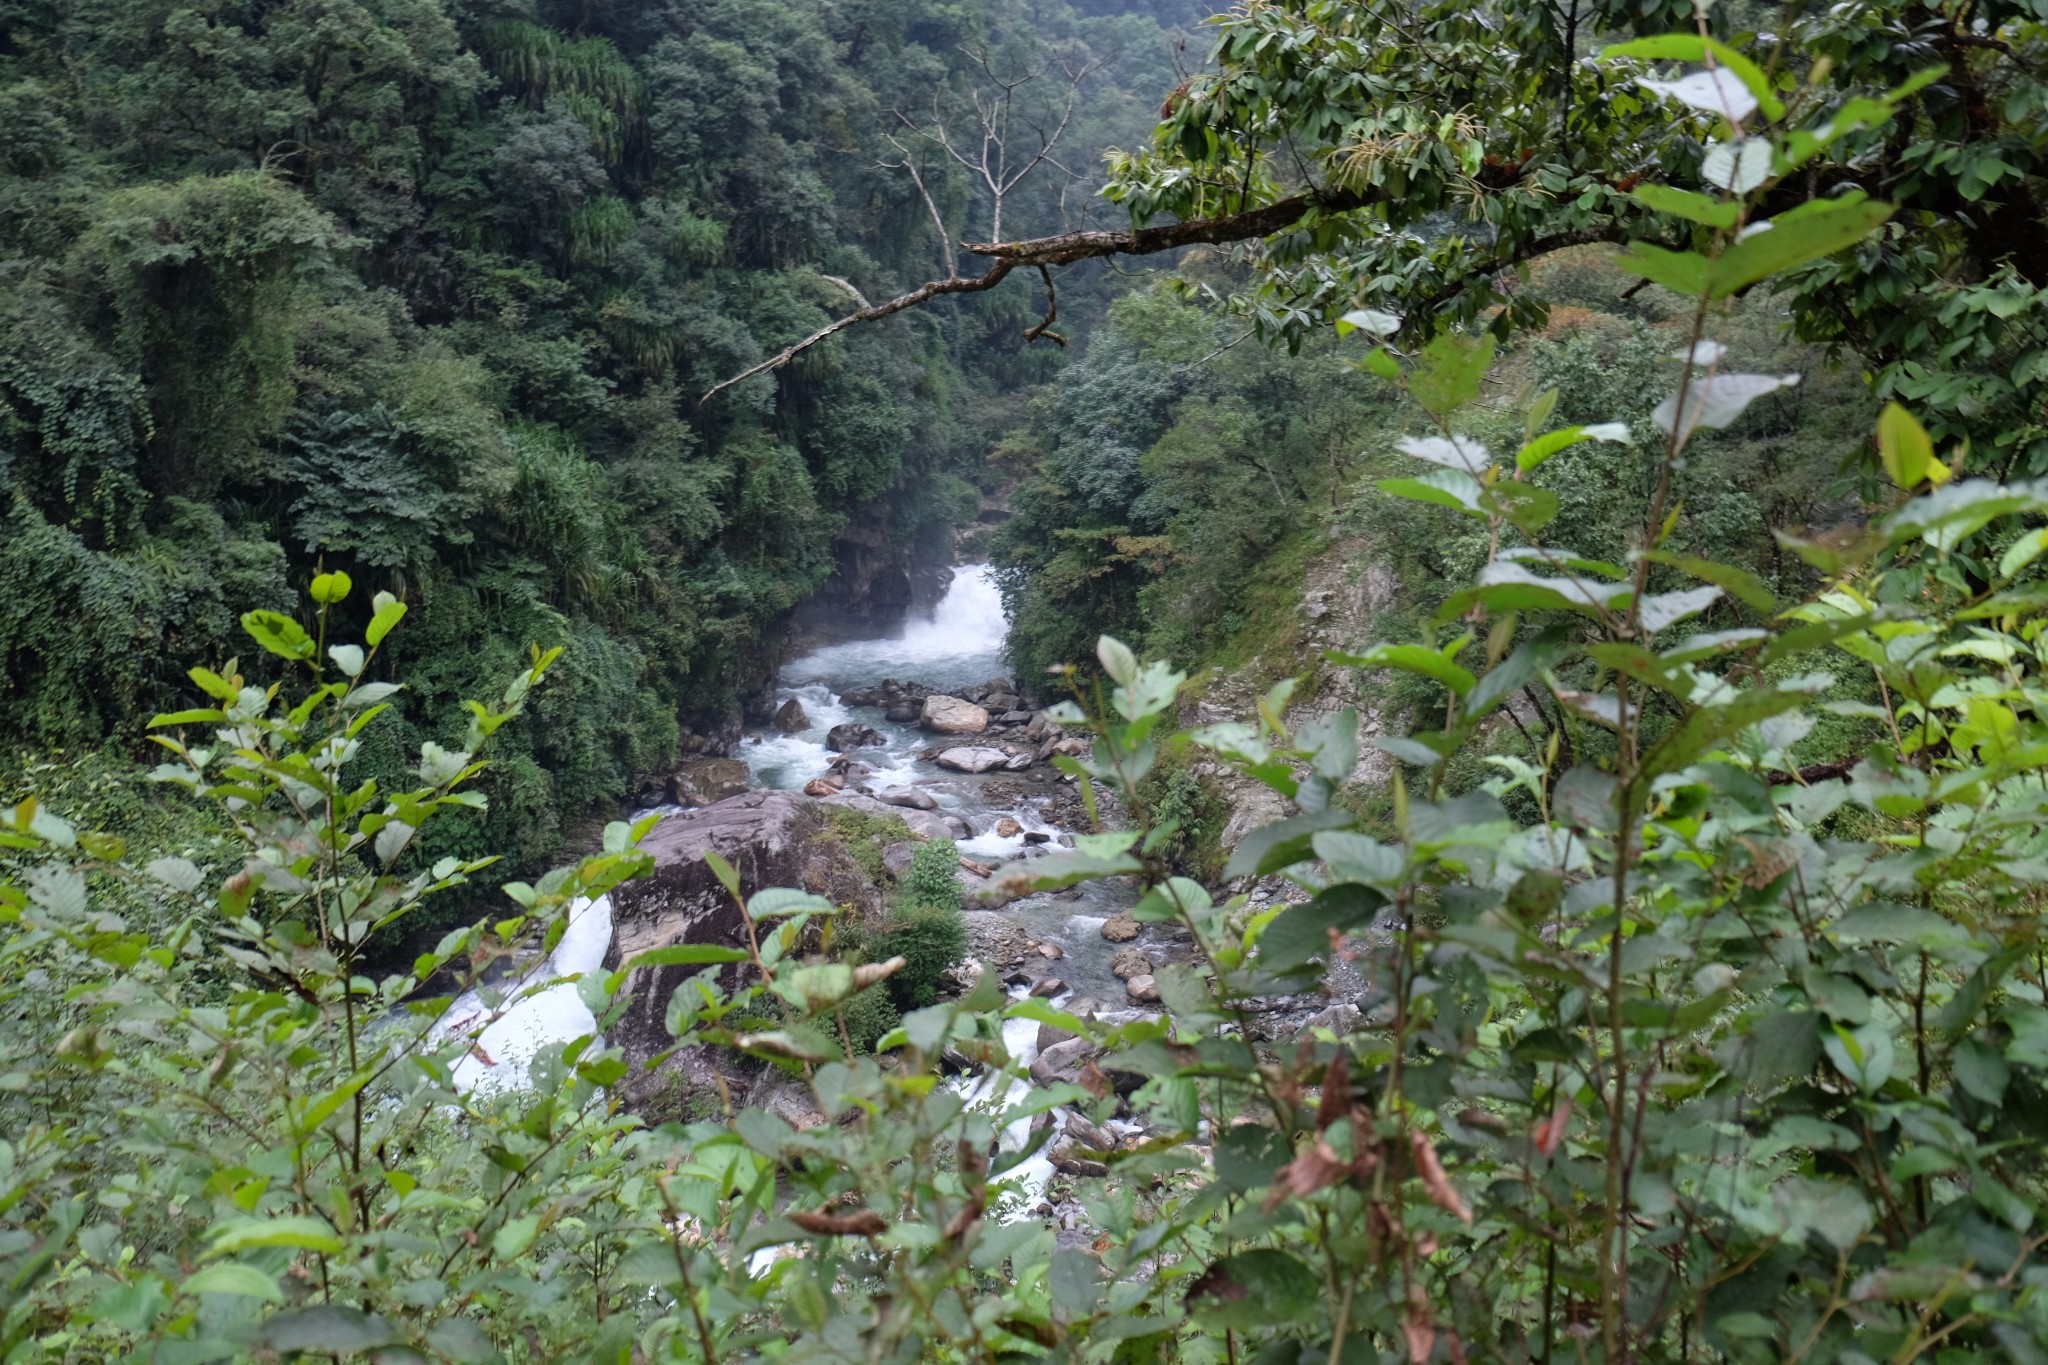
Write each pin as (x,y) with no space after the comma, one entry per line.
(961,643)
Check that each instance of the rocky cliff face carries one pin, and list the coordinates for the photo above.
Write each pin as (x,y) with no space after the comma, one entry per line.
(875,582)
(1342,589)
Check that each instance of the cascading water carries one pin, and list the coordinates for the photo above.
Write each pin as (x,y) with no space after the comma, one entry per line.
(962,643)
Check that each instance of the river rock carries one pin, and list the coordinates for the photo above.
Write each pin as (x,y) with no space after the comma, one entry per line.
(1048,988)
(1061,1063)
(853,735)
(1068,1156)
(1143,988)
(1000,702)
(897,858)
(1130,962)
(1089,1134)
(823,786)
(1037,836)
(1014,718)
(1008,828)
(790,717)
(925,824)
(909,798)
(1120,928)
(952,716)
(971,759)
(906,712)
(1051,952)
(771,838)
(706,781)
(1080,1009)
(791,1101)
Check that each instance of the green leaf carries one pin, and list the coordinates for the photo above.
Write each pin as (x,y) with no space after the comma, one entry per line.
(299,1233)
(1301,934)
(511,1241)
(1263,1288)
(233,1277)
(783,900)
(2023,552)
(686,955)
(1980,1071)
(1682,272)
(1815,229)
(390,611)
(1450,372)
(1906,449)
(1524,506)
(327,1328)
(329,588)
(1686,204)
(1450,488)
(1739,583)
(1415,659)
(1117,660)
(279,634)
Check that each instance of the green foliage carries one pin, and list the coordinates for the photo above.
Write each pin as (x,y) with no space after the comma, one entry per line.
(865,836)
(429,295)
(933,882)
(932,941)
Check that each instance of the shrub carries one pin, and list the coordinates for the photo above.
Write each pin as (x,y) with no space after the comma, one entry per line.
(933,882)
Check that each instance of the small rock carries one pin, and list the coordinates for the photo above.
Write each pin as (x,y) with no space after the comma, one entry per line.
(790,717)
(1019,762)
(1143,989)
(952,715)
(823,786)
(1130,962)
(906,712)
(1037,836)
(1120,928)
(897,858)
(853,735)
(1088,1134)
(1007,828)
(1072,746)
(909,798)
(1013,717)
(1061,1063)
(1051,952)
(1066,1156)
(1002,703)
(793,1103)
(971,759)
(1066,841)
(1048,988)
(1020,977)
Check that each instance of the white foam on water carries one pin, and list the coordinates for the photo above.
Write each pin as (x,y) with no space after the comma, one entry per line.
(501,1056)
(994,1091)
(962,643)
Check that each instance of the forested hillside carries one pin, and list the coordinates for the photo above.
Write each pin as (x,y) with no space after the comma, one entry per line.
(429,292)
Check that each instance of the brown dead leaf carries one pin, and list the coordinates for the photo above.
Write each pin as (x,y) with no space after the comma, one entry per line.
(1441,1192)
(863,1224)
(1549,1134)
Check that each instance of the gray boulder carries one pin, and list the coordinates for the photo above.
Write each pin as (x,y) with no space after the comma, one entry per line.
(1143,988)
(853,735)
(953,716)
(1130,962)
(971,759)
(909,798)
(1061,1063)
(790,717)
(707,781)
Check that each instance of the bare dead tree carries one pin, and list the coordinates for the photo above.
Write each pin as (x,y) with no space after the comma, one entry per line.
(1010,140)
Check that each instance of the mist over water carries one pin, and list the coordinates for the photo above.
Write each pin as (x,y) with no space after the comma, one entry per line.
(961,643)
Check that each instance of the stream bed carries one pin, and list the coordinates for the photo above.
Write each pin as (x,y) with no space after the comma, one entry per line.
(960,644)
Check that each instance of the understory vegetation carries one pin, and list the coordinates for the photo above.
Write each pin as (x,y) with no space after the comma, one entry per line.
(432,294)
(1678,977)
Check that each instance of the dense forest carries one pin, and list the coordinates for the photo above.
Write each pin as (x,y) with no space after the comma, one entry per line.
(430,293)
(1516,825)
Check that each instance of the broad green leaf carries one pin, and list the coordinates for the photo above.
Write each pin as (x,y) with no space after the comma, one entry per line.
(389,612)
(1450,488)
(279,634)
(1687,204)
(1906,449)
(301,1233)
(1813,230)
(1416,659)
(233,1277)
(1682,272)
(1450,371)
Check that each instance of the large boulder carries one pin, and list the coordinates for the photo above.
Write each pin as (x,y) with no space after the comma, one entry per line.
(853,735)
(925,824)
(1144,988)
(1062,1063)
(909,798)
(707,781)
(971,759)
(790,717)
(952,716)
(771,839)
